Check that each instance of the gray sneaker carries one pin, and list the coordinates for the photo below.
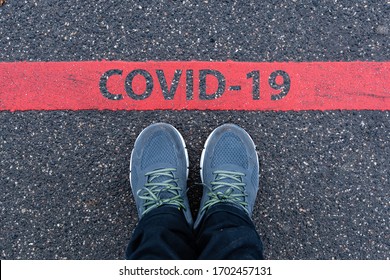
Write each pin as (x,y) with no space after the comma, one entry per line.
(229,170)
(159,170)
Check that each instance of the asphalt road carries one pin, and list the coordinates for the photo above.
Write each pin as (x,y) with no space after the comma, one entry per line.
(325,184)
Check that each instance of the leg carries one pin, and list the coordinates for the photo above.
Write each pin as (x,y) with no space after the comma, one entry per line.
(162,234)
(228,233)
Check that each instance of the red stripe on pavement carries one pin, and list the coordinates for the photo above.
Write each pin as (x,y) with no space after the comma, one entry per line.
(194,85)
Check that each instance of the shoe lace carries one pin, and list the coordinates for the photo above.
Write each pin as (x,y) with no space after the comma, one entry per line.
(161,188)
(228,186)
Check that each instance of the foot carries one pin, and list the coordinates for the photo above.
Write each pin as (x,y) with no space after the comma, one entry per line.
(229,170)
(159,170)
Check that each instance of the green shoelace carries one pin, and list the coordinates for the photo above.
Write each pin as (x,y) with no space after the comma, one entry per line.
(156,192)
(228,195)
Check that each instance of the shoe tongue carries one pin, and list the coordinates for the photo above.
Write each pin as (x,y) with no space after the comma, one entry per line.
(163,193)
(223,180)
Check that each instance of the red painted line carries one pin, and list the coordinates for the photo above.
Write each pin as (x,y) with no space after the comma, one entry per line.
(194,85)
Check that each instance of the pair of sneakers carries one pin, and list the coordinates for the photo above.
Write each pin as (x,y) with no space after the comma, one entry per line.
(159,167)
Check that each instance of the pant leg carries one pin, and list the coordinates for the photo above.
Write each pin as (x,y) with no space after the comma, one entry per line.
(227,232)
(163,233)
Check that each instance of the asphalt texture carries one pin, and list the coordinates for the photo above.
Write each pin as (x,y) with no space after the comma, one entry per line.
(324,181)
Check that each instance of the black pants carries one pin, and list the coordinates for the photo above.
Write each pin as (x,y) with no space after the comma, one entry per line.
(226,232)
